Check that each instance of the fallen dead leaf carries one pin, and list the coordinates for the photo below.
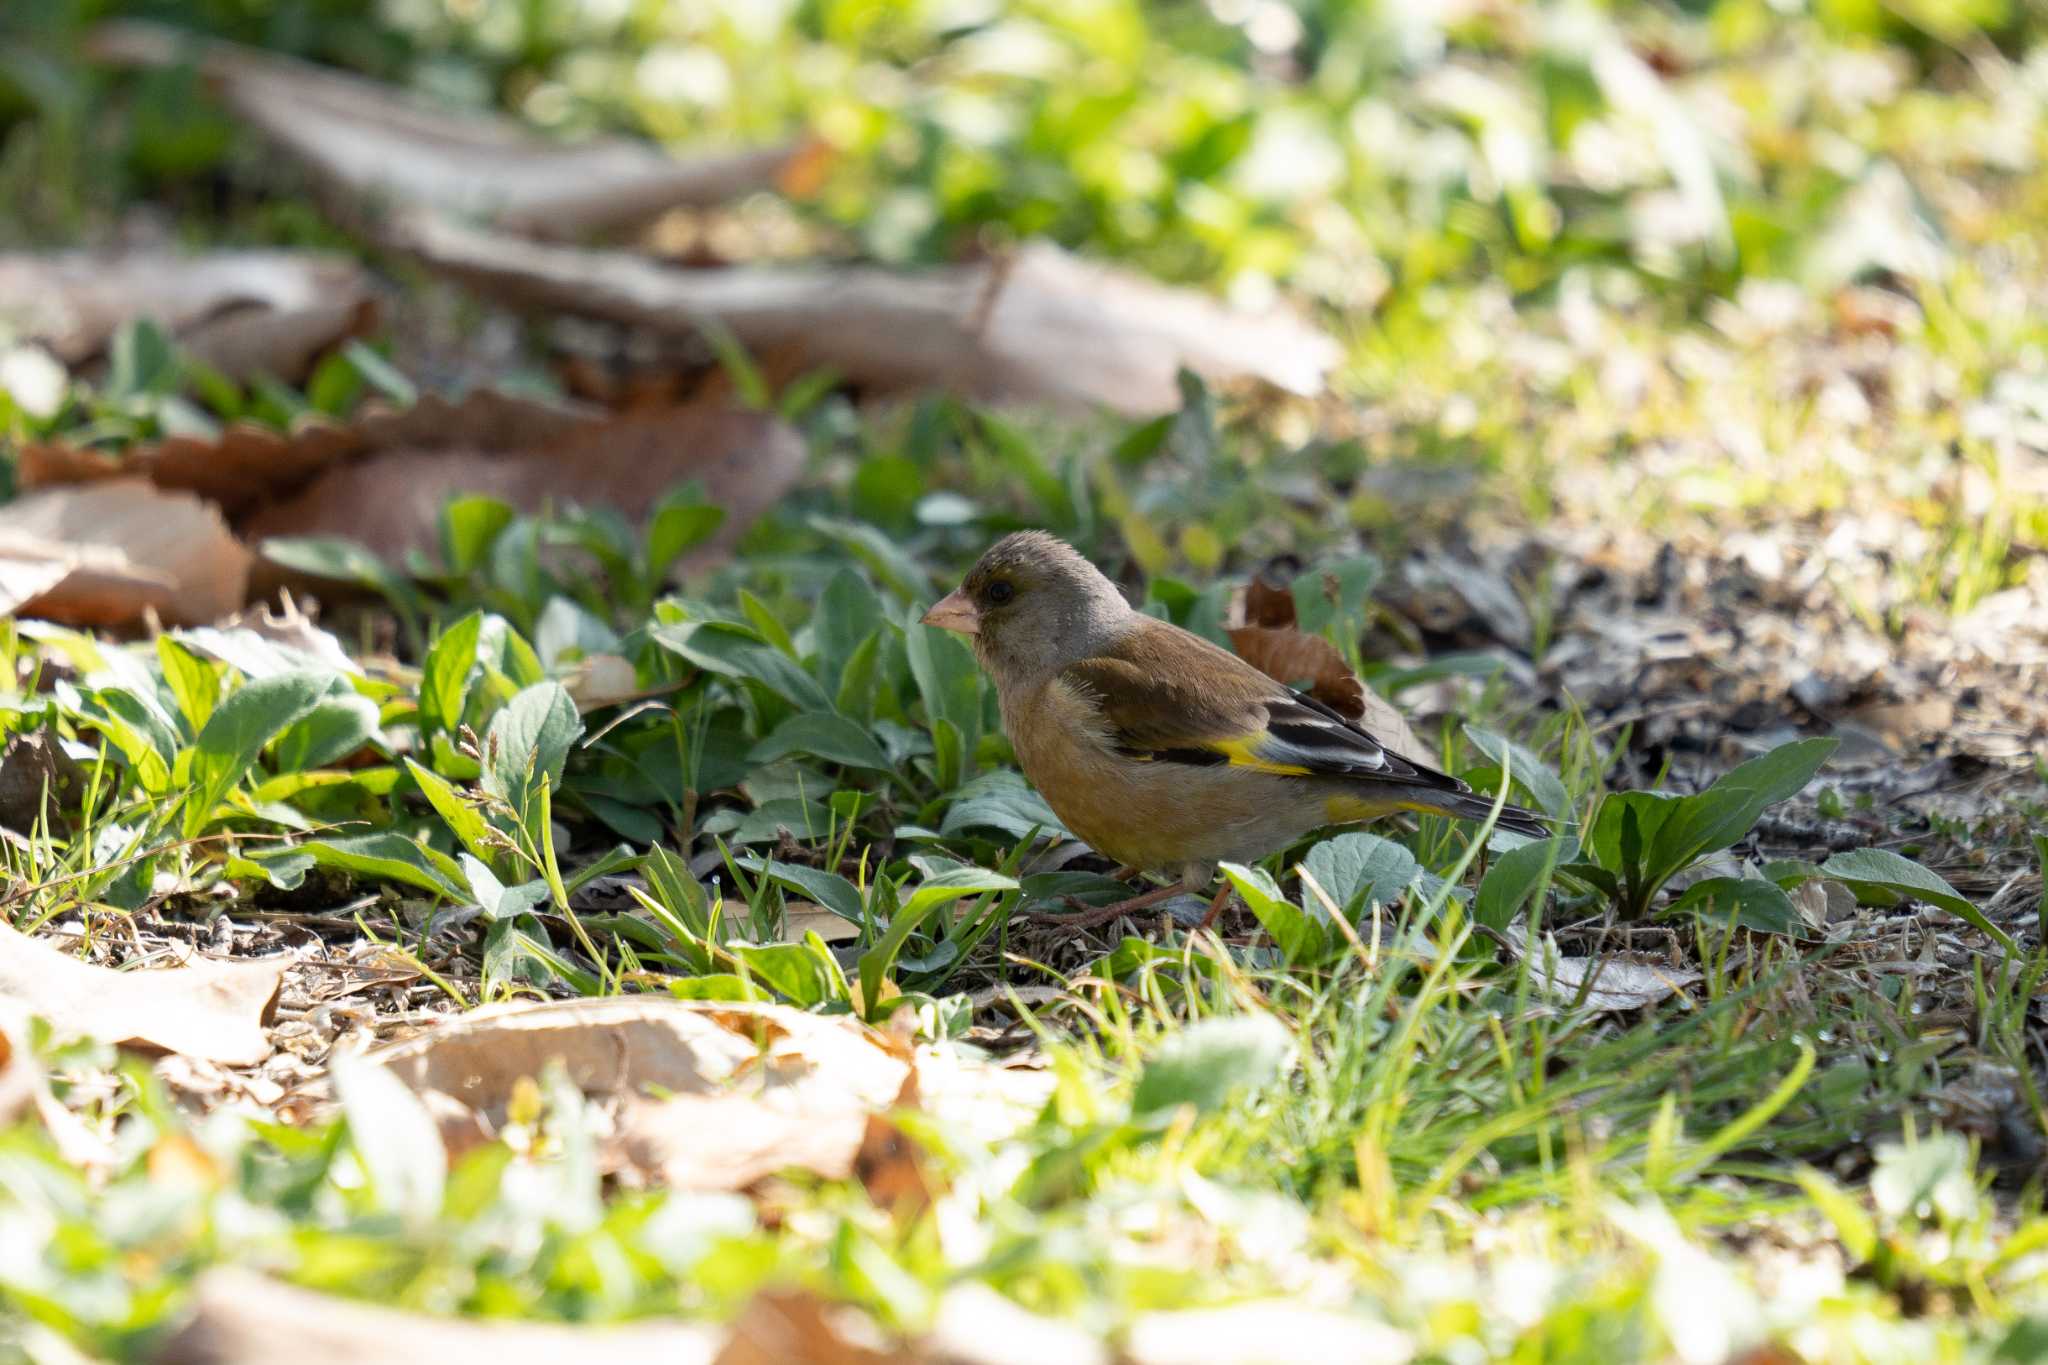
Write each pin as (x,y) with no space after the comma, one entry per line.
(794,1327)
(373,144)
(240,1318)
(802,917)
(1271,1332)
(242,312)
(214,1010)
(1035,326)
(109,553)
(391,501)
(603,680)
(1618,983)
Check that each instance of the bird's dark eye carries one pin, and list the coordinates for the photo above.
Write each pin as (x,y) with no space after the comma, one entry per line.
(1000,592)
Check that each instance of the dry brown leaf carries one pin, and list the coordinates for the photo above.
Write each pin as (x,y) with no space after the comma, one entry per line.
(795,1327)
(371,143)
(209,1009)
(243,312)
(391,501)
(1313,664)
(603,680)
(1035,326)
(19,1078)
(239,1318)
(748,1090)
(106,554)
(1271,1332)
(802,917)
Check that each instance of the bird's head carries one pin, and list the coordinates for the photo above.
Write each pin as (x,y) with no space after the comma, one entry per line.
(1031,606)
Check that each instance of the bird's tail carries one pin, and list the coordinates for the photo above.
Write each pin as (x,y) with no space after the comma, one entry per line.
(1474,806)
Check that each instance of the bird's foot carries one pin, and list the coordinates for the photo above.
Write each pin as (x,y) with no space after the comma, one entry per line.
(1091,916)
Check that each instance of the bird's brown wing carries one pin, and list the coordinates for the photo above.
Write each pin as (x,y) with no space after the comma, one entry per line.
(1169,696)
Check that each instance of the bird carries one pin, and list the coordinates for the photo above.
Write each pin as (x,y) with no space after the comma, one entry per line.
(1159,749)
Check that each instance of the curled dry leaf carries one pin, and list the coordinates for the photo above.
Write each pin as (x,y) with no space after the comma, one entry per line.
(240,1318)
(371,143)
(242,312)
(213,1010)
(1311,663)
(108,553)
(1036,326)
(391,502)
(39,782)
(795,1327)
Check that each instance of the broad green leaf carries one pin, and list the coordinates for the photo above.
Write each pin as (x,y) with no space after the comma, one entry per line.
(1000,800)
(1754,903)
(856,694)
(1516,876)
(236,733)
(141,740)
(518,949)
(792,970)
(567,631)
(470,525)
(1883,868)
(828,889)
(848,614)
(1207,1062)
(395,1138)
(1358,869)
(1335,595)
(382,857)
(1724,812)
(1524,767)
(194,681)
(340,723)
(530,740)
(886,559)
(735,651)
(463,819)
(1302,932)
(680,524)
(497,900)
(444,681)
(1603,841)
(826,735)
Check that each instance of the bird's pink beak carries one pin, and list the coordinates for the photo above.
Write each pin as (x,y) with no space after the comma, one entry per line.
(955,611)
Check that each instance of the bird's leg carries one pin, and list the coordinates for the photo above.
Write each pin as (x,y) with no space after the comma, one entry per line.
(1216,904)
(1089,919)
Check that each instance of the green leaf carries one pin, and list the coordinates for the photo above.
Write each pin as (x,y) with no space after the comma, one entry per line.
(1359,869)
(1207,1062)
(463,819)
(1335,595)
(826,735)
(735,651)
(1853,1225)
(856,695)
(518,949)
(529,740)
(885,558)
(1516,876)
(1724,812)
(848,614)
(343,561)
(828,889)
(791,970)
(497,900)
(1603,841)
(681,522)
(949,886)
(236,733)
(1000,800)
(444,680)
(381,857)
(1753,902)
(470,525)
(1525,768)
(1302,932)
(194,681)
(340,723)
(395,1138)
(948,679)
(1883,868)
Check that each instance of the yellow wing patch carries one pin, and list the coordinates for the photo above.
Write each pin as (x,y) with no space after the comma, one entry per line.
(1241,755)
